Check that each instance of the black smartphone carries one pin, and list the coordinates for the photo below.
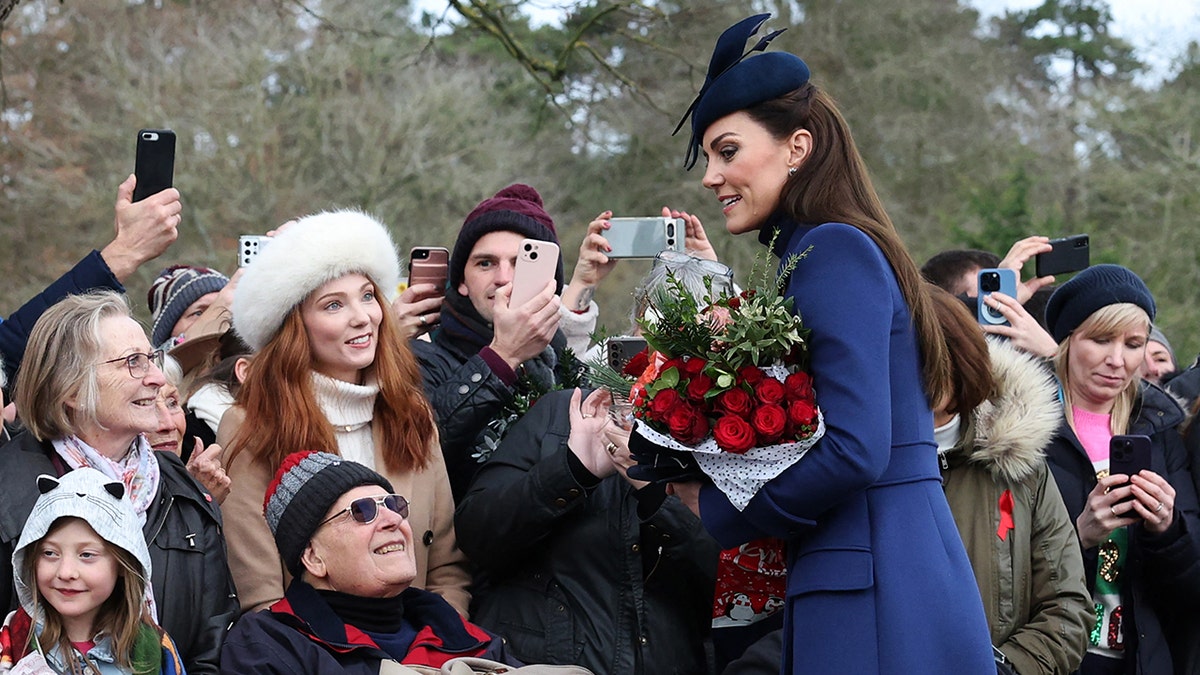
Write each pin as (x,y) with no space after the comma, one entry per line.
(1068,254)
(1128,454)
(155,162)
(622,348)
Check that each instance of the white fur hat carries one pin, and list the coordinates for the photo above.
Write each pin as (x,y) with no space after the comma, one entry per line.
(95,499)
(308,253)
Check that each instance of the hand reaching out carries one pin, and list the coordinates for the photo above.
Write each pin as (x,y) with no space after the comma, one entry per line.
(144,229)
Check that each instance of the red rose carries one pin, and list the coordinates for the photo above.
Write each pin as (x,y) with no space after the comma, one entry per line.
(693,367)
(733,434)
(637,365)
(801,413)
(734,302)
(735,402)
(769,421)
(676,363)
(663,403)
(798,385)
(769,390)
(751,375)
(698,387)
(687,424)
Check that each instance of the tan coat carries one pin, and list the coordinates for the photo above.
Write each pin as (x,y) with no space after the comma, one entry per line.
(254,561)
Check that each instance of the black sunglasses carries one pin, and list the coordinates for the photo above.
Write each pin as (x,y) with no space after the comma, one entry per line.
(366,509)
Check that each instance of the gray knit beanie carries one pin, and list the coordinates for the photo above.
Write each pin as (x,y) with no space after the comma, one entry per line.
(175,289)
(306,485)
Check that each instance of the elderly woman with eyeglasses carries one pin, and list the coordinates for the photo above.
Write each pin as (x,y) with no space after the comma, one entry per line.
(86,392)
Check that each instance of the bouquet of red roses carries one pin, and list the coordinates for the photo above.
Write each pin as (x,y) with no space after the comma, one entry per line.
(725,380)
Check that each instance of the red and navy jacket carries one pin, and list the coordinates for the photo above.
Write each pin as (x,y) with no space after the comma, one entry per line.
(302,634)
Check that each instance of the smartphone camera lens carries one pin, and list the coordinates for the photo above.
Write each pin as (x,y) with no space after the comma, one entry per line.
(420,255)
(670,229)
(533,255)
(528,247)
(989,282)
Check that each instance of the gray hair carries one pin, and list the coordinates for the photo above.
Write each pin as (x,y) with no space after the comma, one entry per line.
(694,274)
(60,364)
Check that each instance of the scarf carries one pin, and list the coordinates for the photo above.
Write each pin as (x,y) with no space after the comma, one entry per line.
(137,470)
(374,615)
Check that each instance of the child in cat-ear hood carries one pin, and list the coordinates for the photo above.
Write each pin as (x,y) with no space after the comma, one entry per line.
(81,571)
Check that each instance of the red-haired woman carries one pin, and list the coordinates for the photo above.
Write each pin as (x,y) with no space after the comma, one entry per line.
(332,372)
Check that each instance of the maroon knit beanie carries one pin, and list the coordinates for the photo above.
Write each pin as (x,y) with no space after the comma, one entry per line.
(517,208)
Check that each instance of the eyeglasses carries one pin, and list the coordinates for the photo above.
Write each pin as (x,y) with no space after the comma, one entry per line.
(366,509)
(139,364)
(673,259)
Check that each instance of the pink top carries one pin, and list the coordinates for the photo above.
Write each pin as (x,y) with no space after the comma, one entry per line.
(1094,432)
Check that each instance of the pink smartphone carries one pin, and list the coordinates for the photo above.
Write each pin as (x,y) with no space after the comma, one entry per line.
(428,265)
(536,263)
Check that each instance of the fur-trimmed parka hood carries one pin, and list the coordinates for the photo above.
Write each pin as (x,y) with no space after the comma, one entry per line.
(1009,432)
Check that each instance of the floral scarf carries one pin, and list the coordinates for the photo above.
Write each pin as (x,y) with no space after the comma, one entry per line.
(138,470)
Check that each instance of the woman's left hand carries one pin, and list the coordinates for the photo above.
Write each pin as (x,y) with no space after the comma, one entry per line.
(688,493)
(592,266)
(1154,501)
(1023,330)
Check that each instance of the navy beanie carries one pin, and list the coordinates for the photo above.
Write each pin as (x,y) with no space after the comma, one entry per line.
(305,487)
(1095,287)
(736,80)
(517,208)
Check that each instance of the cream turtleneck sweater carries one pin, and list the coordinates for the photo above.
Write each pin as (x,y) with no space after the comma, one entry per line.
(349,408)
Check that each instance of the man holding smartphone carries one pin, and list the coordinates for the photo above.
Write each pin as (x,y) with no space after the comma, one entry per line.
(488,361)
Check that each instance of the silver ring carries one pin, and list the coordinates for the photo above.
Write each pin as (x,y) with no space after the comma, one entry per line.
(1159,507)
(1114,511)
(421,319)
(611,447)
(587,415)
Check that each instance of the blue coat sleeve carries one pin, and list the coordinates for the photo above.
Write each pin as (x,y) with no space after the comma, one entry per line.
(848,296)
(88,274)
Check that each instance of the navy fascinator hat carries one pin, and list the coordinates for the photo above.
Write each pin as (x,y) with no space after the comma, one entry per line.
(735,82)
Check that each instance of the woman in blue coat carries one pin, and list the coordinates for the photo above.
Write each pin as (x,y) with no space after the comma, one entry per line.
(878,581)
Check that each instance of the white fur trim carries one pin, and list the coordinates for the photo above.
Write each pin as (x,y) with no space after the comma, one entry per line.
(310,252)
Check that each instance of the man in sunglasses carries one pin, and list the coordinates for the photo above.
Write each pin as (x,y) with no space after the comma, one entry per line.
(350,608)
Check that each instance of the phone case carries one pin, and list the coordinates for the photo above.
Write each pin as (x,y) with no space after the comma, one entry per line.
(990,281)
(155,162)
(1070,254)
(1128,454)
(536,263)
(643,237)
(622,348)
(428,265)
(249,246)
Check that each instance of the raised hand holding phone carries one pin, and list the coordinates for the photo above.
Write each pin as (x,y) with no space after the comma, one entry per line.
(525,312)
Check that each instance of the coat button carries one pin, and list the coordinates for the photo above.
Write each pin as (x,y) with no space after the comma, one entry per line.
(574,492)
(560,502)
(644,640)
(427,539)
(464,389)
(636,548)
(476,377)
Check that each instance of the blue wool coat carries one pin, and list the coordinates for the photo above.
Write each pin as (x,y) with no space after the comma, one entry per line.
(878,581)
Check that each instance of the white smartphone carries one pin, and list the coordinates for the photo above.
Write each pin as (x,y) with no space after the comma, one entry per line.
(993,281)
(537,261)
(249,246)
(643,237)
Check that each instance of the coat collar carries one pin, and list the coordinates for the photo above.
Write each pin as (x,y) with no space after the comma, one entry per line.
(1008,433)
(440,626)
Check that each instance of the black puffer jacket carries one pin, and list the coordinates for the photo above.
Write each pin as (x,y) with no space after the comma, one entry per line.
(1162,572)
(190,576)
(570,574)
(472,402)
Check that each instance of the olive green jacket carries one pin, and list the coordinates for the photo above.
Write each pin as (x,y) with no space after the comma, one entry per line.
(1031,580)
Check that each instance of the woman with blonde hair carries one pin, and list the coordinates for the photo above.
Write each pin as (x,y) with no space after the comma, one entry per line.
(1137,533)
(331,373)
